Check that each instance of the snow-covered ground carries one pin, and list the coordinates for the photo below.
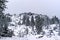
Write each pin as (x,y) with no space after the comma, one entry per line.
(20,30)
(32,38)
(35,37)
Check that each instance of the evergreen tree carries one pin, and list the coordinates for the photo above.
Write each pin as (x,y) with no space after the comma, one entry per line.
(32,21)
(39,23)
(24,19)
(54,20)
(59,29)
(4,21)
(46,21)
(27,21)
(2,17)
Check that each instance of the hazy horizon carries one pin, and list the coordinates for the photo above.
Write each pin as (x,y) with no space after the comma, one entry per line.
(47,7)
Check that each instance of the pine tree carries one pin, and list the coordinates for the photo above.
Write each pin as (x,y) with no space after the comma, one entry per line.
(46,21)
(32,23)
(59,29)
(55,20)
(27,21)
(24,19)
(4,20)
(39,23)
(2,16)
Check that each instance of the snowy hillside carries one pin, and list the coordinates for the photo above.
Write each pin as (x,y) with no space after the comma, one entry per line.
(31,38)
(32,27)
(36,37)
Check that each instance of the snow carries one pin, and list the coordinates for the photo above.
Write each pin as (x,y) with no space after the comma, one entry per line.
(21,30)
(35,37)
(32,37)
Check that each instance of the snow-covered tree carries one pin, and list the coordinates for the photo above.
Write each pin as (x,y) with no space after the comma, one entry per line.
(55,20)
(27,21)
(24,19)
(38,24)
(4,20)
(59,29)
(32,23)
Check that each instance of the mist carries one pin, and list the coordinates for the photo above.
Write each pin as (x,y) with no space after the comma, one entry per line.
(46,7)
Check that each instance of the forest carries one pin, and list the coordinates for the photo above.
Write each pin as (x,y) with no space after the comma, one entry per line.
(26,23)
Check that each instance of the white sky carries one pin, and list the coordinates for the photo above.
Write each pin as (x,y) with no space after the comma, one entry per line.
(48,7)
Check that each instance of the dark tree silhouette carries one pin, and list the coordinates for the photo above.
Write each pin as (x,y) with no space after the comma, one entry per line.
(27,21)
(4,20)
(32,23)
(39,23)
(24,18)
(55,20)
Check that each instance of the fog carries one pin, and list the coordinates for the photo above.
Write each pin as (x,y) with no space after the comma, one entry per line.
(47,7)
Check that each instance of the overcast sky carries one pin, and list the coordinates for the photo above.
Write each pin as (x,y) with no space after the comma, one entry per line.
(48,7)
